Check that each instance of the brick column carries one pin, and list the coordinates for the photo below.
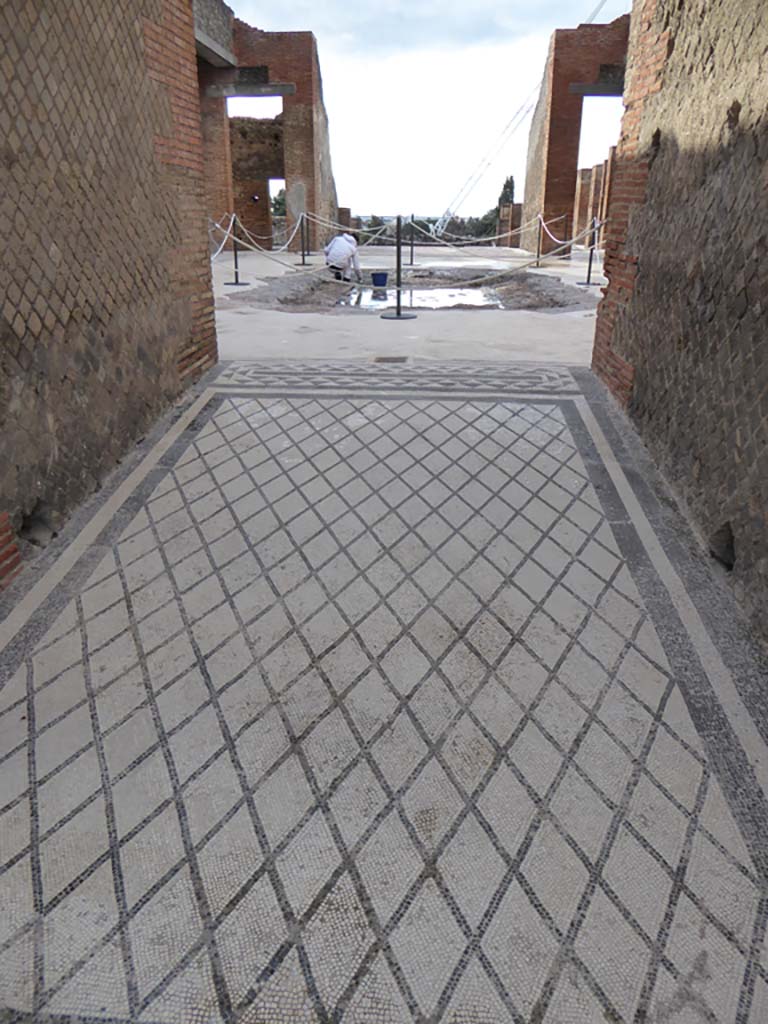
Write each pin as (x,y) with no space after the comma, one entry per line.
(649,50)
(595,190)
(581,200)
(576,56)
(605,199)
(170,54)
(292,57)
(217,157)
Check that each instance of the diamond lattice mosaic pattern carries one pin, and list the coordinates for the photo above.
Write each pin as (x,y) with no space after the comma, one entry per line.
(363,718)
(425,375)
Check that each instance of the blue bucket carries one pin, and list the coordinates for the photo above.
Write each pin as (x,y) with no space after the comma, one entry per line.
(379,279)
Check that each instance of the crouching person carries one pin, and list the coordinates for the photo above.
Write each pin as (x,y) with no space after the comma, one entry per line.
(342,259)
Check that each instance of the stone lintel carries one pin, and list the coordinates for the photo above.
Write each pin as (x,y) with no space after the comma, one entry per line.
(252,81)
(213,52)
(237,89)
(596,88)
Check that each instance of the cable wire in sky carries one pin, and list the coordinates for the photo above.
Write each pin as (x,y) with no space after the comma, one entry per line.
(507,132)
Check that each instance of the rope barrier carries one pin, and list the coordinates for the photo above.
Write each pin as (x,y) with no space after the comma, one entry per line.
(325,222)
(560,241)
(523,227)
(283,247)
(291,268)
(227,235)
(249,246)
(438,240)
(322,222)
(504,234)
(506,274)
(486,280)
(255,247)
(462,250)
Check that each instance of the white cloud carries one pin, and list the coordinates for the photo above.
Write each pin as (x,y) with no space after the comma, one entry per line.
(396,25)
(418,92)
(407,130)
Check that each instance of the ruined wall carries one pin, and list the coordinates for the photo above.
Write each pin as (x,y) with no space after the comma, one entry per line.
(326,200)
(536,162)
(292,57)
(587,54)
(104,276)
(681,331)
(508,224)
(257,156)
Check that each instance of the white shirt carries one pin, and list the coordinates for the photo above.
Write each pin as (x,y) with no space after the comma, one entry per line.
(341,251)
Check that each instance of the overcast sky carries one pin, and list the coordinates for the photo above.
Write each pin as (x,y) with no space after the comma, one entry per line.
(419,91)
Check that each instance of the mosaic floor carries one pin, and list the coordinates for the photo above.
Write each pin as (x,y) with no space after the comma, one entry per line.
(375,694)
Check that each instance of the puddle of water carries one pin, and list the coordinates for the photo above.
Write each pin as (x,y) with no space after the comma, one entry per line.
(421,298)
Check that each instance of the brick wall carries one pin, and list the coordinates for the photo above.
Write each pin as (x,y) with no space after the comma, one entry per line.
(106,305)
(292,57)
(575,55)
(257,156)
(680,336)
(216,146)
(256,216)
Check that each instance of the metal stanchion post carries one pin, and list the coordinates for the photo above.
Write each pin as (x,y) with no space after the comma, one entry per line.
(538,245)
(413,235)
(237,282)
(303,233)
(398,312)
(592,245)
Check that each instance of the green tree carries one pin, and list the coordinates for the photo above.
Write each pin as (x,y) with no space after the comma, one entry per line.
(508,191)
(278,204)
(485,226)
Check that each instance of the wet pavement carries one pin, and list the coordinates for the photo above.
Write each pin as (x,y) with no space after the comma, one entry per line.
(422,298)
(382,694)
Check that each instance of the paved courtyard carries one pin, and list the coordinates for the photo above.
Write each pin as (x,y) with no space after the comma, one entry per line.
(382,694)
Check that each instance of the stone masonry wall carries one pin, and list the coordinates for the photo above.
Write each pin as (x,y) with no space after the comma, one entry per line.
(681,331)
(106,306)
